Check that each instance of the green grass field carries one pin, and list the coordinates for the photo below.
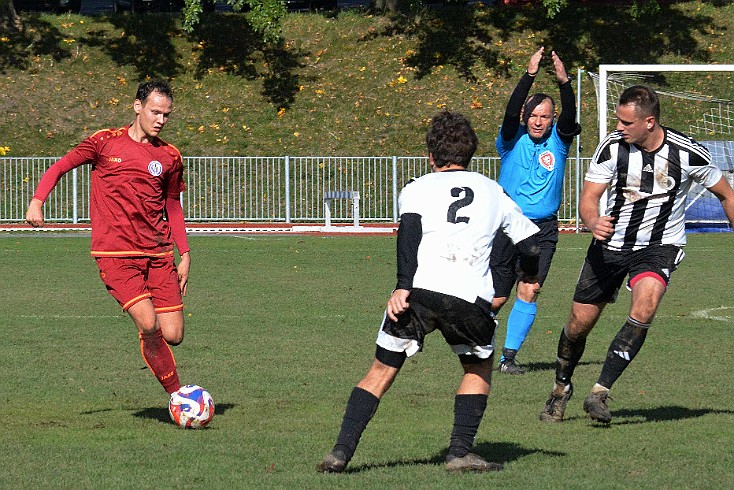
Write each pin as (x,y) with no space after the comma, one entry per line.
(279,328)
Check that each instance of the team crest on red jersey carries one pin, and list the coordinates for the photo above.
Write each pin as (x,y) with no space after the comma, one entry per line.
(155,168)
(547,160)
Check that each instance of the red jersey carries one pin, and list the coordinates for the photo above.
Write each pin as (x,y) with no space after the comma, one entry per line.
(131,182)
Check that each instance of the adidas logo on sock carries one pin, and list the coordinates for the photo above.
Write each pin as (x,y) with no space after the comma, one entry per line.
(623,355)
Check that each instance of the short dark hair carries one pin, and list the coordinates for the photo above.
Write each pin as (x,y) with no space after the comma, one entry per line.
(644,98)
(451,139)
(147,88)
(534,101)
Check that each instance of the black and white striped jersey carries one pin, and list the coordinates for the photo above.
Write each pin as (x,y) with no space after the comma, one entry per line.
(647,193)
(460,213)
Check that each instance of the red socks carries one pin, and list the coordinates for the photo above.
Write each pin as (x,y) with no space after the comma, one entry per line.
(159,358)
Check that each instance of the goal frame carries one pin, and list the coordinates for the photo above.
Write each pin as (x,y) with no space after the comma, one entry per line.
(602,95)
(605,69)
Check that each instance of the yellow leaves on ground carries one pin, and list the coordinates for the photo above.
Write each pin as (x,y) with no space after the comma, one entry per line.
(398,81)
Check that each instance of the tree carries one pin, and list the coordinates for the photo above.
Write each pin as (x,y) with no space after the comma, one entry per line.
(553,7)
(264,16)
(9,19)
(638,9)
(392,5)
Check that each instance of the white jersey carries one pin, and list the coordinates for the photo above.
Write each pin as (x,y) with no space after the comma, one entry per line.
(648,190)
(460,212)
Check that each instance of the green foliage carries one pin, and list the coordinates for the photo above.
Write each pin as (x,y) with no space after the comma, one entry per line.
(644,9)
(192,14)
(280,328)
(264,16)
(554,7)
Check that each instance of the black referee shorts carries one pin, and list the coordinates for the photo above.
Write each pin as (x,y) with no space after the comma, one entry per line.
(503,261)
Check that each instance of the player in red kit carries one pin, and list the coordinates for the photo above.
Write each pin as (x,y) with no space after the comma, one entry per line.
(136,216)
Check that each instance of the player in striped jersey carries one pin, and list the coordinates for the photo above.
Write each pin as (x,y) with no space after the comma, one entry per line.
(647,169)
(448,221)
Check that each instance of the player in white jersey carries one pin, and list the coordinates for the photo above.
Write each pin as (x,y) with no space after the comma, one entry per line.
(648,170)
(448,220)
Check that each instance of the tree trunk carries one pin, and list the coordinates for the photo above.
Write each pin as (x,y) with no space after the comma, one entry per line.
(9,19)
(391,5)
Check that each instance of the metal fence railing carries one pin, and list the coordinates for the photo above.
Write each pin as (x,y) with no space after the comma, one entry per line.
(259,189)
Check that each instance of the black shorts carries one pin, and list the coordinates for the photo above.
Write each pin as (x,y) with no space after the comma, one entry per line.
(604,270)
(467,327)
(504,259)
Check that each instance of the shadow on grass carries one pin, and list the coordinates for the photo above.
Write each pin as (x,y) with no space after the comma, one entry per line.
(145,43)
(589,36)
(221,43)
(551,366)
(496,452)
(228,44)
(669,413)
(161,414)
(663,414)
(467,38)
(470,38)
(37,38)
(451,35)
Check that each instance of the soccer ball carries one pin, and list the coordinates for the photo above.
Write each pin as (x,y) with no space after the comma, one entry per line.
(191,407)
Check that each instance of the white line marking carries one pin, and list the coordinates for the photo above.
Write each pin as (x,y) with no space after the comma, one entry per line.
(66,317)
(712,314)
(79,317)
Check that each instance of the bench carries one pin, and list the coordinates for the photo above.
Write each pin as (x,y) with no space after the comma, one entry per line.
(331,195)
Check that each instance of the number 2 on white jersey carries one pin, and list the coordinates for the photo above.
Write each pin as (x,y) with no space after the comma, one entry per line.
(459,203)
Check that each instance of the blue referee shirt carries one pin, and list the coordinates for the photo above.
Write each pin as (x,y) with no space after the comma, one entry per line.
(532,173)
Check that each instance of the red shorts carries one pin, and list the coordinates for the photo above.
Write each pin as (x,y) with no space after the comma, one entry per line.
(132,279)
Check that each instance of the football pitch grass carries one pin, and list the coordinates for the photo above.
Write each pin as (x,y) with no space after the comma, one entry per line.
(280,328)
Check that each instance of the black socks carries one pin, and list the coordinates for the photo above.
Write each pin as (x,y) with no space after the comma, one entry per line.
(468,413)
(361,406)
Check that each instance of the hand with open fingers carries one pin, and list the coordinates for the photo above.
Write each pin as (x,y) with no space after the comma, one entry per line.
(397,304)
(561,74)
(534,64)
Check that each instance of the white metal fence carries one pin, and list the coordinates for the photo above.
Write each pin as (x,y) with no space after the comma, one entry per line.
(259,189)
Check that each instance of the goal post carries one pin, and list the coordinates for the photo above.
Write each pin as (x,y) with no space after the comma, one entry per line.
(695,99)
(606,70)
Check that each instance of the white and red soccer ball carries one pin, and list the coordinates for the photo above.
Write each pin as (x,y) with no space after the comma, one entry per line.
(191,407)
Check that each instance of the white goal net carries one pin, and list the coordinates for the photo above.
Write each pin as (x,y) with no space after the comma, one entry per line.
(695,99)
